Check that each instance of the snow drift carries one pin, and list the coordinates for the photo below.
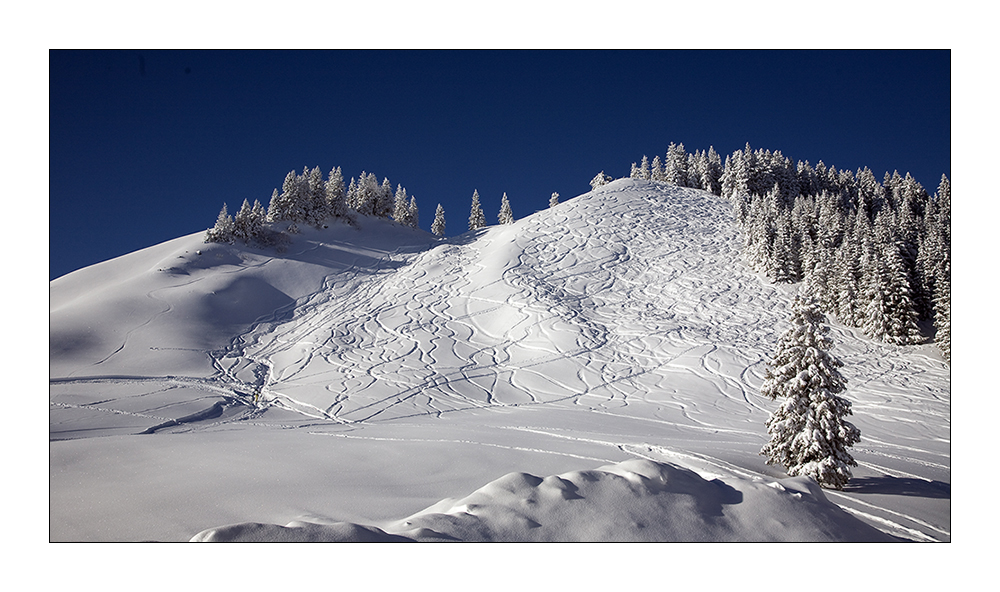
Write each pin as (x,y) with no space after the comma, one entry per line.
(366,373)
(636,500)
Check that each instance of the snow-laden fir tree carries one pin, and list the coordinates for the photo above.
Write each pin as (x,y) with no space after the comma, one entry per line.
(247,223)
(414,213)
(437,227)
(505,216)
(600,180)
(222,232)
(316,208)
(384,201)
(554,199)
(401,211)
(656,171)
(335,194)
(808,433)
(476,217)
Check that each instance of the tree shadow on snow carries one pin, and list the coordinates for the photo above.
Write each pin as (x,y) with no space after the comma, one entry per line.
(899,486)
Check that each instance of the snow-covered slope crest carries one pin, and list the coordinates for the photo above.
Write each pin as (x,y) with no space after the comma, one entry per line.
(367,373)
(636,500)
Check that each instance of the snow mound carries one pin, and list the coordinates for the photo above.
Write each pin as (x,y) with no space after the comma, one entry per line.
(636,500)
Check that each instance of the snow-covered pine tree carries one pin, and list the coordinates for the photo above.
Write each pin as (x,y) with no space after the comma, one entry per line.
(942,311)
(366,194)
(711,181)
(644,168)
(384,200)
(675,167)
(315,204)
(222,232)
(258,217)
(600,180)
(476,217)
(695,166)
(437,227)
(401,213)
(890,315)
(335,194)
(505,216)
(414,213)
(284,206)
(635,173)
(243,223)
(273,206)
(808,433)
(656,172)
(554,199)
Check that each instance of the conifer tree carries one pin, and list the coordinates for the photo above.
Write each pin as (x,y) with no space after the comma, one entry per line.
(335,194)
(554,199)
(401,211)
(222,232)
(286,205)
(437,227)
(315,205)
(243,223)
(656,172)
(890,315)
(505,216)
(808,433)
(476,217)
(942,312)
(675,168)
(713,172)
(384,199)
(644,168)
(600,180)
(414,213)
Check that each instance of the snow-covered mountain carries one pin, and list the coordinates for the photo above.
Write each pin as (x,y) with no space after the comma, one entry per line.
(589,372)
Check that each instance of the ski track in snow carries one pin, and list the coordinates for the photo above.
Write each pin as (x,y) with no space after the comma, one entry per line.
(630,303)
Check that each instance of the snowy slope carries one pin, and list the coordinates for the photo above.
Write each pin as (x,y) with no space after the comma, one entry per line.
(374,373)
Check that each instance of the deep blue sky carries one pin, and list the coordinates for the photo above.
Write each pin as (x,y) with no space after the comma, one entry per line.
(146,146)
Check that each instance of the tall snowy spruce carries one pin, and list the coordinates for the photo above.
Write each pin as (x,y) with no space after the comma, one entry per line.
(437,227)
(808,433)
(476,217)
(505,216)
(223,230)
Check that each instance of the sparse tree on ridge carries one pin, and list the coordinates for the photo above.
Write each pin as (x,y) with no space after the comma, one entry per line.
(599,180)
(437,227)
(505,216)
(554,199)
(476,217)
(808,433)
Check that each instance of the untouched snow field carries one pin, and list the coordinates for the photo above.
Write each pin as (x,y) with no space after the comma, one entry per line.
(590,372)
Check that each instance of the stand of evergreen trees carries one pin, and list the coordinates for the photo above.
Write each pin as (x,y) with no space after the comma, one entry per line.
(308,198)
(877,256)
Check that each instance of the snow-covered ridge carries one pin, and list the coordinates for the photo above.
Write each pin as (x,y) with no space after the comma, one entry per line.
(368,373)
(636,500)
